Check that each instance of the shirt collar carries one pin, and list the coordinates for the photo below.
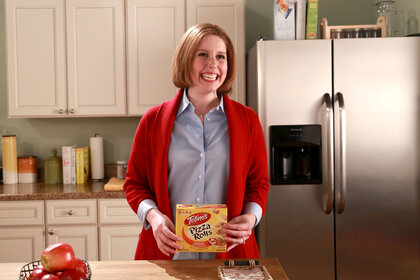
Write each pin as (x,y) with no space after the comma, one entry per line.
(185,102)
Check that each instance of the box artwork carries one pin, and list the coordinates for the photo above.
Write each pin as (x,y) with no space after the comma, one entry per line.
(199,227)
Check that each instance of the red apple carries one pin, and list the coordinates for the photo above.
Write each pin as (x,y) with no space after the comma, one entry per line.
(37,274)
(79,265)
(50,277)
(57,257)
(72,274)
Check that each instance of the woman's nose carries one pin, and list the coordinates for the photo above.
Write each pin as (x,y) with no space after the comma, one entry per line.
(212,61)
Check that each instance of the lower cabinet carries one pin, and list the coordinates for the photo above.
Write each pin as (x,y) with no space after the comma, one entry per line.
(21,244)
(119,229)
(118,242)
(83,239)
(73,222)
(22,231)
(103,229)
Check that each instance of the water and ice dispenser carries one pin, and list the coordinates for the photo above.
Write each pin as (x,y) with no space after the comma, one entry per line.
(295,154)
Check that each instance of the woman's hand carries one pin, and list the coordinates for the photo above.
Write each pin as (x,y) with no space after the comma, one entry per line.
(239,229)
(163,230)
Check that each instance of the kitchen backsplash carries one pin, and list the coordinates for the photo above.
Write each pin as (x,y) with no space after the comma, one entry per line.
(37,137)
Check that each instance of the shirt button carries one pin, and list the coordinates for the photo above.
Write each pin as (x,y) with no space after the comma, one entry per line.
(201,155)
(199,177)
(208,119)
(207,136)
(198,199)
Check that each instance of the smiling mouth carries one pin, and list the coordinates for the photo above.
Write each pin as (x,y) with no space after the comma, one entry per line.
(209,77)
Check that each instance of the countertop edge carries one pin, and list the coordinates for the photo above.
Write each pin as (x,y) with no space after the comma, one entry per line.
(42,191)
(48,196)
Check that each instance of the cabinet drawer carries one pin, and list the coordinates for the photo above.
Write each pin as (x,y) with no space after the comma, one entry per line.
(116,211)
(77,211)
(14,213)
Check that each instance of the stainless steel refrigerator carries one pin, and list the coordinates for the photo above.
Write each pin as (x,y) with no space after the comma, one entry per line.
(341,120)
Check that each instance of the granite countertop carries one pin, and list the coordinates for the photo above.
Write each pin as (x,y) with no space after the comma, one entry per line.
(42,191)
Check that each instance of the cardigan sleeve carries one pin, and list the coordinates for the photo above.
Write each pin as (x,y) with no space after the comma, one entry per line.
(257,178)
(136,186)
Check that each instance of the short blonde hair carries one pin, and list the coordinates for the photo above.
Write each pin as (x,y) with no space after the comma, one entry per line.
(187,47)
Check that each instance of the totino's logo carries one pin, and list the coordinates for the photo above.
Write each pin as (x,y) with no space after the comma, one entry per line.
(197,219)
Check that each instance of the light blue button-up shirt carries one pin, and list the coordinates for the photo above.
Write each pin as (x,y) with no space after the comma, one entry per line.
(198,165)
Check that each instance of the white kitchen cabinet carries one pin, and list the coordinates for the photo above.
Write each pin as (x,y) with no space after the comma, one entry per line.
(28,227)
(36,58)
(230,15)
(41,34)
(95,57)
(154,28)
(21,244)
(67,58)
(21,230)
(73,222)
(83,239)
(119,229)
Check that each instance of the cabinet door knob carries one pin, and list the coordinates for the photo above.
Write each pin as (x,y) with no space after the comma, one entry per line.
(71,111)
(61,111)
(51,232)
(70,212)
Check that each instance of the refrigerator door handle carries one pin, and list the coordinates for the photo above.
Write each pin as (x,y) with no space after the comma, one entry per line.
(342,152)
(330,153)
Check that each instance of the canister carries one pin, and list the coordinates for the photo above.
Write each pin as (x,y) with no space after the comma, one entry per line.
(121,169)
(9,154)
(53,169)
(27,169)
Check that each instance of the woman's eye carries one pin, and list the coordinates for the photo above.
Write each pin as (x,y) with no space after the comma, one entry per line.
(220,56)
(202,54)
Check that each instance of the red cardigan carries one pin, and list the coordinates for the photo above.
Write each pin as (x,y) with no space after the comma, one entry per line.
(148,169)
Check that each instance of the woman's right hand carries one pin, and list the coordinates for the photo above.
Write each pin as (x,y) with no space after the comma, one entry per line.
(164,232)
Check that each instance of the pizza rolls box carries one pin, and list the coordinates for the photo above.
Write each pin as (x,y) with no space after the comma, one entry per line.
(199,226)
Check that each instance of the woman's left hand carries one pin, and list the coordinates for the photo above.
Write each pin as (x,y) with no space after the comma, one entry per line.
(239,229)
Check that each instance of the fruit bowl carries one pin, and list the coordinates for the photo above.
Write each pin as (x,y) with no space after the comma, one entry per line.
(27,270)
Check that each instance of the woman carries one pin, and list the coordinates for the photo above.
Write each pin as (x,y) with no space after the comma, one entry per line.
(199,147)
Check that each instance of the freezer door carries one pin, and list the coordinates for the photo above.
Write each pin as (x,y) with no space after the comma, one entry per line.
(377,235)
(292,78)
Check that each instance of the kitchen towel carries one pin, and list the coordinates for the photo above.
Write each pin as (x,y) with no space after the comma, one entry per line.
(97,157)
(9,154)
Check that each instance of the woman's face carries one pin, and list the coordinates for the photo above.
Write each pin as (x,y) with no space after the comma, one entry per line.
(209,64)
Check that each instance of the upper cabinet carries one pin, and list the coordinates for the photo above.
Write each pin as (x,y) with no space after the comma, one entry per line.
(230,15)
(46,79)
(74,58)
(154,28)
(36,57)
(95,57)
